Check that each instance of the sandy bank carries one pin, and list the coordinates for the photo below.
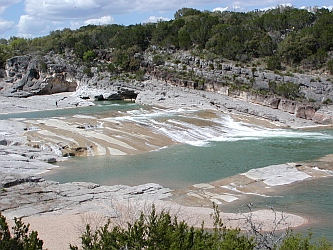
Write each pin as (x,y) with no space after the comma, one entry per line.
(58,230)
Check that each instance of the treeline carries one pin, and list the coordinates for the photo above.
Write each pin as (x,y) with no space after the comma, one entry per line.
(294,37)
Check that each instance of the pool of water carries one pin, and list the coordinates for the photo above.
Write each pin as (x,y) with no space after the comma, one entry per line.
(180,166)
(100,106)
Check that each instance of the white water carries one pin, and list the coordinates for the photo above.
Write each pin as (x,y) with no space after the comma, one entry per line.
(179,126)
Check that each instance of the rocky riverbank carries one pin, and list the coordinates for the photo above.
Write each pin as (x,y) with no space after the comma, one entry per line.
(159,93)
(24,193)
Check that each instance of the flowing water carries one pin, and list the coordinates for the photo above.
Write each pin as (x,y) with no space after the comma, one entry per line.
(209,147)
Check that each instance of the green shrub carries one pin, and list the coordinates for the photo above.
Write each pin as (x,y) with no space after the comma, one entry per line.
(330,66)
(288,90)
(294,241)
(327,101)
(21,238)
(161,231)
(158,60)
(88,56)
(274,63)
(87,71)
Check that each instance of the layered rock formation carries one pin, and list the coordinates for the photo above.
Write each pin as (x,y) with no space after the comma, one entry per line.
(36,75)
(44,75)
(38,196)
(220,78)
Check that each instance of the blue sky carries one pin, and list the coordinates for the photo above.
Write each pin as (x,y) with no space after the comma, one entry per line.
(34,18)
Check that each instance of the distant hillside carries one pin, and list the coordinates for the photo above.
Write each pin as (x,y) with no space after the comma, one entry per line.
(282,37)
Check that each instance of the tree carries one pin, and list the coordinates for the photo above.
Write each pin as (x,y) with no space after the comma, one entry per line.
(21,239)
(288,90)
(4,54)
(273,63)
(330,66)
(18,44)
(183,12)
(88,56)
(297,241)
(294,48)
(184,39)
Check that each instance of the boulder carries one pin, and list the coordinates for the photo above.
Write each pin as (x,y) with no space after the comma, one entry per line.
(305,111)
(324,115)
(287,106)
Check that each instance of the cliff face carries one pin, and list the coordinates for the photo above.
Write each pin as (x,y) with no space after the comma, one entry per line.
(320,114)
(35,75)
(209,76)
(28,75)
(42,75)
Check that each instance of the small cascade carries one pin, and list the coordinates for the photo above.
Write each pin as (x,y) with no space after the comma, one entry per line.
(100,125)
(31,128)
(90,152)
(51,148)
(186,126)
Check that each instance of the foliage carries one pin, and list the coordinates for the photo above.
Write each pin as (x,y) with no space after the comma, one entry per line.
(288,90)
(21,238)
(4,55)
(274,63)
(327,101)
(87,71)
(159,230)
(297,241)
(298,37)
(88,56)
(158,60)
(162,231)
(330,66)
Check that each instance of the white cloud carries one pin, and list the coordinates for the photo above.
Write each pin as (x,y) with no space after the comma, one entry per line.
(268,8)
(328,7)
(4,4)
(5,25)
(221,9)
(286,5)
(27,26)
(76,9)
(100,21)
(95,21)
(76,24)
(155,19)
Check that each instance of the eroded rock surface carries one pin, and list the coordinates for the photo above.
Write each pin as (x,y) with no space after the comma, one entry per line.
(26,196)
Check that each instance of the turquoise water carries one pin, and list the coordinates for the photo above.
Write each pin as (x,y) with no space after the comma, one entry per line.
(311,199)
(101,106)
(180,166)
(205,154)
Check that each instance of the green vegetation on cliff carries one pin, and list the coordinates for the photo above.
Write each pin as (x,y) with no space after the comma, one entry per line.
(295,37)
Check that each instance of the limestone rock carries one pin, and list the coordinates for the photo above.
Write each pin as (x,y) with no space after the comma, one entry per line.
(31,75)
(38,196)
(287,106)
(324,115)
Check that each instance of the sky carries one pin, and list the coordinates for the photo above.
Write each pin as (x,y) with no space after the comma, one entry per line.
(35,18)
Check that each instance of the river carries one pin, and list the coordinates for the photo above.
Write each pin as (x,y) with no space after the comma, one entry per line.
(208,148)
